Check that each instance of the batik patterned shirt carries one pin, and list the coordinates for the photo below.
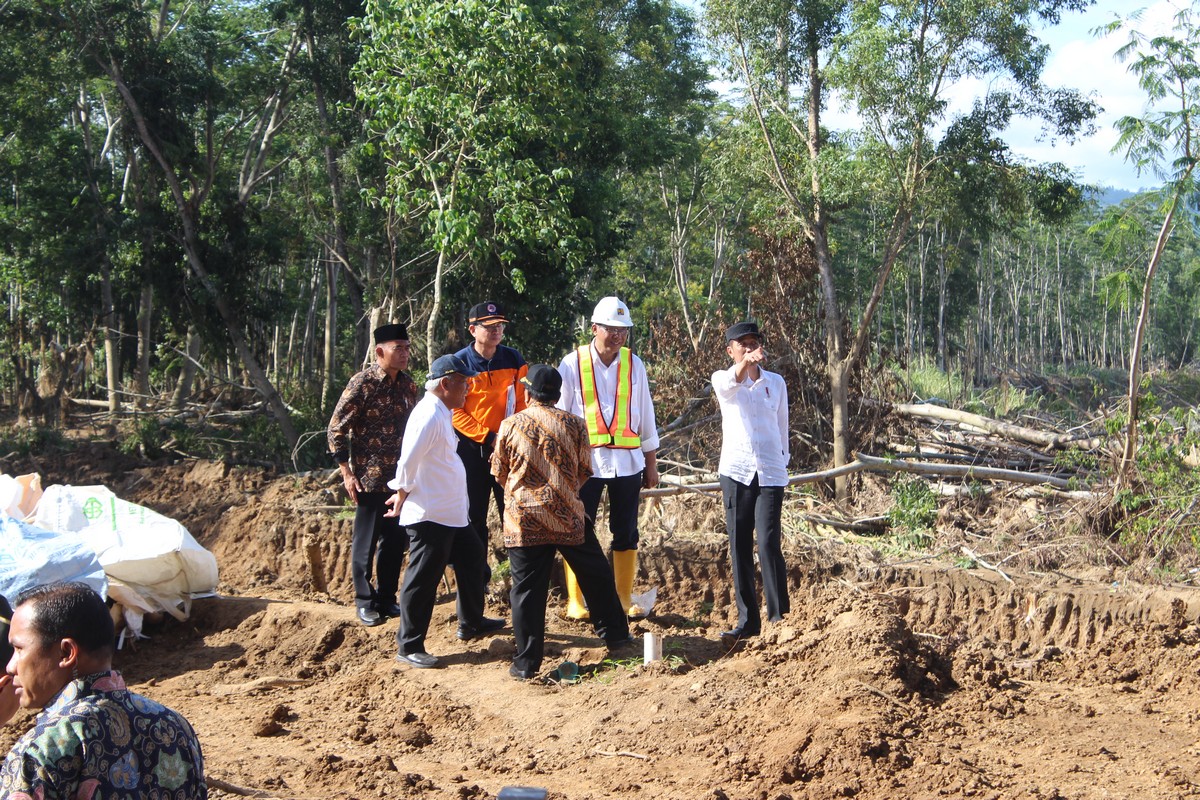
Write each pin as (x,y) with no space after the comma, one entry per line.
(368,423)
(542,458)
(100,740)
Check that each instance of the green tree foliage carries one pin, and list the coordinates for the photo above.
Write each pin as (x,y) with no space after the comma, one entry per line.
(463,95)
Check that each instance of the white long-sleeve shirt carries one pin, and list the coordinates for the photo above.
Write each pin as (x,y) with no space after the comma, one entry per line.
(754,427)
(612,462)
(429,468)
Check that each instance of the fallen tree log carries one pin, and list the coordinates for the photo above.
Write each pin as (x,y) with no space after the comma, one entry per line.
(807,477)
(1005,429)
(876,464)
(976,460)
(871,526)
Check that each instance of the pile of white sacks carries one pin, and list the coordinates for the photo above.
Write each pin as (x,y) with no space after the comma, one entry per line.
(143,561)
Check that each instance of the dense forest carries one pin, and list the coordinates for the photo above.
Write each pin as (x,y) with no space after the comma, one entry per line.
(213,203)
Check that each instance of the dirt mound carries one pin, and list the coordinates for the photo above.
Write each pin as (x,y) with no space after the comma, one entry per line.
(883,682)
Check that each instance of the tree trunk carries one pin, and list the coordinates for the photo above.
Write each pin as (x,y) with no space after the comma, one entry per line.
(328,389)
(378,317)
(436,309)
(183,389)
(109,320)
(941,315)
(340,251)
(145,313)
(1139,335)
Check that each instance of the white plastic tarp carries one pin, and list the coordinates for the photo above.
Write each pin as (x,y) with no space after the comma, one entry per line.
(30,555)
(141,550)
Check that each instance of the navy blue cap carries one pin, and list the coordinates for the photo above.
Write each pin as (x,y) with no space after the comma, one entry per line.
(449,365)
(544,381)
(741,329)
(485,312)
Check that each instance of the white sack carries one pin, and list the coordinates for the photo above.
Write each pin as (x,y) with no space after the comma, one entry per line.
(151,554)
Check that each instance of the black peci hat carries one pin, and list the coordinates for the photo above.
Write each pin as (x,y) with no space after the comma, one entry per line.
(391,333)
(6,649)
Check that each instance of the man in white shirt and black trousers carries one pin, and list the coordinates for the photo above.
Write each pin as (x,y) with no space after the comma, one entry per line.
(431,502)
(753,474)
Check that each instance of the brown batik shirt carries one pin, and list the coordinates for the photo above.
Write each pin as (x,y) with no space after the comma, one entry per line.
(542,458)
(368,422)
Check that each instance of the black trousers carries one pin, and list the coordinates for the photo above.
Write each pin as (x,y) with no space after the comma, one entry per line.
(531,567)
(481,486)
(624,495)
(380,540)
(430,547)
(747,509)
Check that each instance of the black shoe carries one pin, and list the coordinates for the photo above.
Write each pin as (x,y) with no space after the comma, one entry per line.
(418,660)
(390,611)
(739,633)
(369,617)
(521,674)
(620,645)
(486,625)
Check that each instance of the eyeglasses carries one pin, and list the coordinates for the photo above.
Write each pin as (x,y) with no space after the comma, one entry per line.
(614,331)
(398,346)
(494,327)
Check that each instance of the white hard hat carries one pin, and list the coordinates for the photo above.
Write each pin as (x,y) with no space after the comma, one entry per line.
(611,311)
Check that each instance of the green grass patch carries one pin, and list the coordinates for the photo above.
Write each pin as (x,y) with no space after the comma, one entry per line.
(25,440)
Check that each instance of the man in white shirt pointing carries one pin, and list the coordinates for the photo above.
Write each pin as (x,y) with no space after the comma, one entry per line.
(753,473)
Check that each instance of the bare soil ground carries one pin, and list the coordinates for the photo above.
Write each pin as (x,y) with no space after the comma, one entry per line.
(885,681)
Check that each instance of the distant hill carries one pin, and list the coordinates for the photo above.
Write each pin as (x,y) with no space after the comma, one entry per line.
(1108,196)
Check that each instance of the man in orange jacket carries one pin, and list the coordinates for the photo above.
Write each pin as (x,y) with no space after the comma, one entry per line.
(492,395)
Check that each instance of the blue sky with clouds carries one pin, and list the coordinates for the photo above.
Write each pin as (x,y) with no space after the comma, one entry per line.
(1080,60)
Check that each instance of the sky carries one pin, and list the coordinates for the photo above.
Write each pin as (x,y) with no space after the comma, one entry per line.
(1080,60)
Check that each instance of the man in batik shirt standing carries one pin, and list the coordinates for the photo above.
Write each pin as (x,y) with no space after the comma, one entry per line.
(364,438)
(542,458)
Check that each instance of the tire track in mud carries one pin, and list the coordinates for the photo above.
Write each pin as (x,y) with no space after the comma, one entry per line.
(1027,615)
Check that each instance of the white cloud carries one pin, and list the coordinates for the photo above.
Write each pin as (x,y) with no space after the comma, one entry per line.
(1082,61)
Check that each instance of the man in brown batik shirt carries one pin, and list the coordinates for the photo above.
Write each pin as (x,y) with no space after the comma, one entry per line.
(364,439)
(542,457)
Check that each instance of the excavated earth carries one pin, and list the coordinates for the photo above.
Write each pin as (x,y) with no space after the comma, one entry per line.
(883,682)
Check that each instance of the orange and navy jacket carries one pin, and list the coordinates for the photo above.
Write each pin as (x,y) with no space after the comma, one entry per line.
(493,394)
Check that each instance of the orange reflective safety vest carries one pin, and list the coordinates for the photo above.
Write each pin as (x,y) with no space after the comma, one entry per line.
(617,433)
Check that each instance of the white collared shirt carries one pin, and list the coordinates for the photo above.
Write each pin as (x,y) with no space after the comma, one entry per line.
(612,462)
(429,468)
(754,427)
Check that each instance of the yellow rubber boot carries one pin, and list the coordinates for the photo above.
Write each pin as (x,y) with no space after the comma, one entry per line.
(575,607)
(624,570)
